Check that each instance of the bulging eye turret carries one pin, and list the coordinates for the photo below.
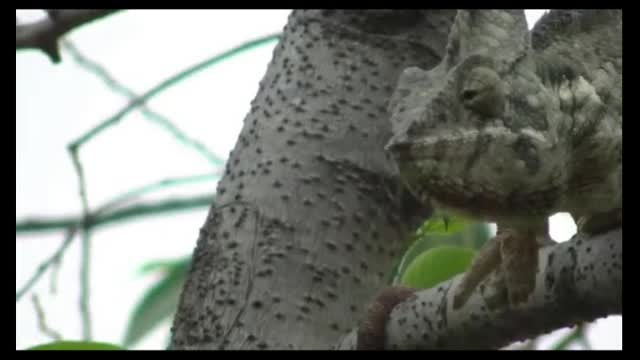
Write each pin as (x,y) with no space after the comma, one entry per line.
(483,92)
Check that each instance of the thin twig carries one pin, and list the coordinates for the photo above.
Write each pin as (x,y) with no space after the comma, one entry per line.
(155,90)
(55,270)
(103,215)
(42,324)
(44,34)
(57,255)
(100,219)
(99,71)
(85,310)
(158,185)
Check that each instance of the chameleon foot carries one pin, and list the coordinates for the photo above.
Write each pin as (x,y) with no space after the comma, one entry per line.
(513,252)
(486,261)
(371,332)
(519,254)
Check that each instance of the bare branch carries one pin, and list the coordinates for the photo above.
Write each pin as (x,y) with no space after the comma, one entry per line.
(579,281)
(44,34)
(85,245)
(98,218)
(42,324)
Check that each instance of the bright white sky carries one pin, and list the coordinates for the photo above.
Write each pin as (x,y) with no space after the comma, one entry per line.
(55,104)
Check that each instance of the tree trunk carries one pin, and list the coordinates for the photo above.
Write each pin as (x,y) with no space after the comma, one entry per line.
(310,215)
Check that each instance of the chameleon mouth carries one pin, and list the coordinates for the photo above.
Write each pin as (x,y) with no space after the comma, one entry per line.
(463,144)
(493,159)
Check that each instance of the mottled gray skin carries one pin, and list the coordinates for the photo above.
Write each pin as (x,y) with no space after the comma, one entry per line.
(504,133)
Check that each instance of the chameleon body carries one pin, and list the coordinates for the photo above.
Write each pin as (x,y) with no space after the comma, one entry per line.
(508,132)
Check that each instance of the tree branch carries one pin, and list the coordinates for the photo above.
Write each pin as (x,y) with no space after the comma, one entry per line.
(99,218)
(579,281)
(42,324)
(44,34)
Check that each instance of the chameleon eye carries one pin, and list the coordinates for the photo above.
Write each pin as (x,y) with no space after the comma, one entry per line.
(483,92)
(468,95)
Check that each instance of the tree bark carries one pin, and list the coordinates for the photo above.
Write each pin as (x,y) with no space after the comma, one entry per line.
(310,215)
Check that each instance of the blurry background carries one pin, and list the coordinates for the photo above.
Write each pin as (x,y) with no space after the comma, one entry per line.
(56,104)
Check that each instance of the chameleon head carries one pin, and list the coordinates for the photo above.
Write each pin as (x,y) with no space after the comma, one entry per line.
(476,139)
(498,128)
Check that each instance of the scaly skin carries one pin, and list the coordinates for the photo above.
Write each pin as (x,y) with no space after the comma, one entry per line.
(504,132)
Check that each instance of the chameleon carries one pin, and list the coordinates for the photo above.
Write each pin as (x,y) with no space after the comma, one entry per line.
(512,129)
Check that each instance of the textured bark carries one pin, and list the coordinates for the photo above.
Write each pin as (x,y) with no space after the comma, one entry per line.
(579,281)
(310,215)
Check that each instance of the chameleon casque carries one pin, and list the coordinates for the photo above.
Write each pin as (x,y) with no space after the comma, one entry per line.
(500,131)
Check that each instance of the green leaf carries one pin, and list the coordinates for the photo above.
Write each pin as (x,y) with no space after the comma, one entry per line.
(160,301)
(76,345)
(437,265)
(434,232)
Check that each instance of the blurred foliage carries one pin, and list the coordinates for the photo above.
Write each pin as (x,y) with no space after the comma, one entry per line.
(160,301)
